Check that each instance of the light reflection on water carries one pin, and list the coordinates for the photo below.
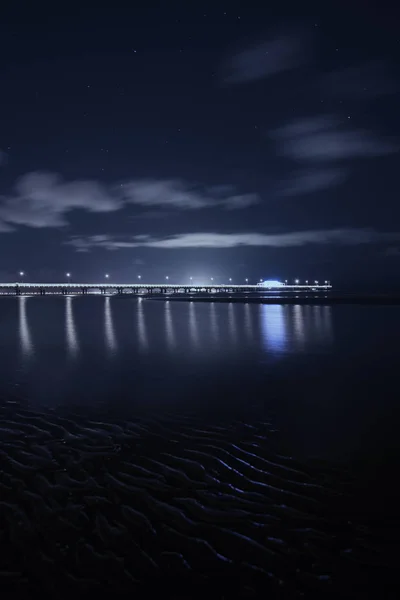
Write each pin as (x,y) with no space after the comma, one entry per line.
(169,326)
(109,331)
(122,346)
(24,331)
(273,327)
(214,323)
(298,325)
(232,324)
(248,322)
(71,335)
(142,331)
(193,329)
(227,327)
(291,329)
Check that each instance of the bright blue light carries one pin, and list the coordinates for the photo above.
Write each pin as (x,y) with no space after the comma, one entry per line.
(271,283)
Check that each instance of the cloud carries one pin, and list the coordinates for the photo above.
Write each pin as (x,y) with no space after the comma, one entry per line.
(321,140)
(336,146)
(169,193)
(232,240)
(312,180)
(305,127)
(178,194)
(279,54)
(239,202)
(5,227)
(151,214)
(360,82)
(42,199)
(392,251)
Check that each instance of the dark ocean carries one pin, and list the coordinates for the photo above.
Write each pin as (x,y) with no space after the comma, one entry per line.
(232,449)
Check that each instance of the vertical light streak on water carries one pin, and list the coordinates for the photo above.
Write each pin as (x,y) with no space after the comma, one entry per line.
(299,329)
(110,338)
(214,323)
(327,323)
(70,329)
(232,323)
(317,322)
(248,322)
(273,327)
(193,331)
(24,331)
(143,339)
(169,326)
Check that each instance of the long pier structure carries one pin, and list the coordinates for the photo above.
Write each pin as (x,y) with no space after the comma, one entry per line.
(69,288)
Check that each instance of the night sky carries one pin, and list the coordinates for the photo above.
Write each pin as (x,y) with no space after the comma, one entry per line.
(220,139)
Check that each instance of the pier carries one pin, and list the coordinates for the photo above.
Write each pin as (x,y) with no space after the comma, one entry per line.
(70,288)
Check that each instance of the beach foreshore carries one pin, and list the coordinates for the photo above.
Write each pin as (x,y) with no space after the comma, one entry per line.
(89,501)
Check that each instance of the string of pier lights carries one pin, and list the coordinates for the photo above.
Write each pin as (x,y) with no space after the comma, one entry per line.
(107,276)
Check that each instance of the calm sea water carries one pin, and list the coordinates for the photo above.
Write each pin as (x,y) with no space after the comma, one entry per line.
(327,374)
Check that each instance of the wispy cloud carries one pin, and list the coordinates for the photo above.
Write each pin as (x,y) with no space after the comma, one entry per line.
(322,139)
(178,194)
(232,240)
(5,227)
(240,201)
(364,81)
(43,199)
(299,128)
(392,251)
(276,55)
(151,214)
(324,144)
(312,180)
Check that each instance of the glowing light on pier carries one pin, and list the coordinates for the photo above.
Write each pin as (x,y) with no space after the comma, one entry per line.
(272,283)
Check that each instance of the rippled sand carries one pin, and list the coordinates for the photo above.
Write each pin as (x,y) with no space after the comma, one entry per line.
(90,504)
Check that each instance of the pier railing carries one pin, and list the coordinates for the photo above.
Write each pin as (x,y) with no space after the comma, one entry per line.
(151,288)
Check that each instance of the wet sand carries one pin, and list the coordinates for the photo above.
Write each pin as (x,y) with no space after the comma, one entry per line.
(92,502)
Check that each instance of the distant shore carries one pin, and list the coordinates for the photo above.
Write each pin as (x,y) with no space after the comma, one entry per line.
(316,300)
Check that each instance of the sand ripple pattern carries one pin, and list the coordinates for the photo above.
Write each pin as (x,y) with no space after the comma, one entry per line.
(88,503)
